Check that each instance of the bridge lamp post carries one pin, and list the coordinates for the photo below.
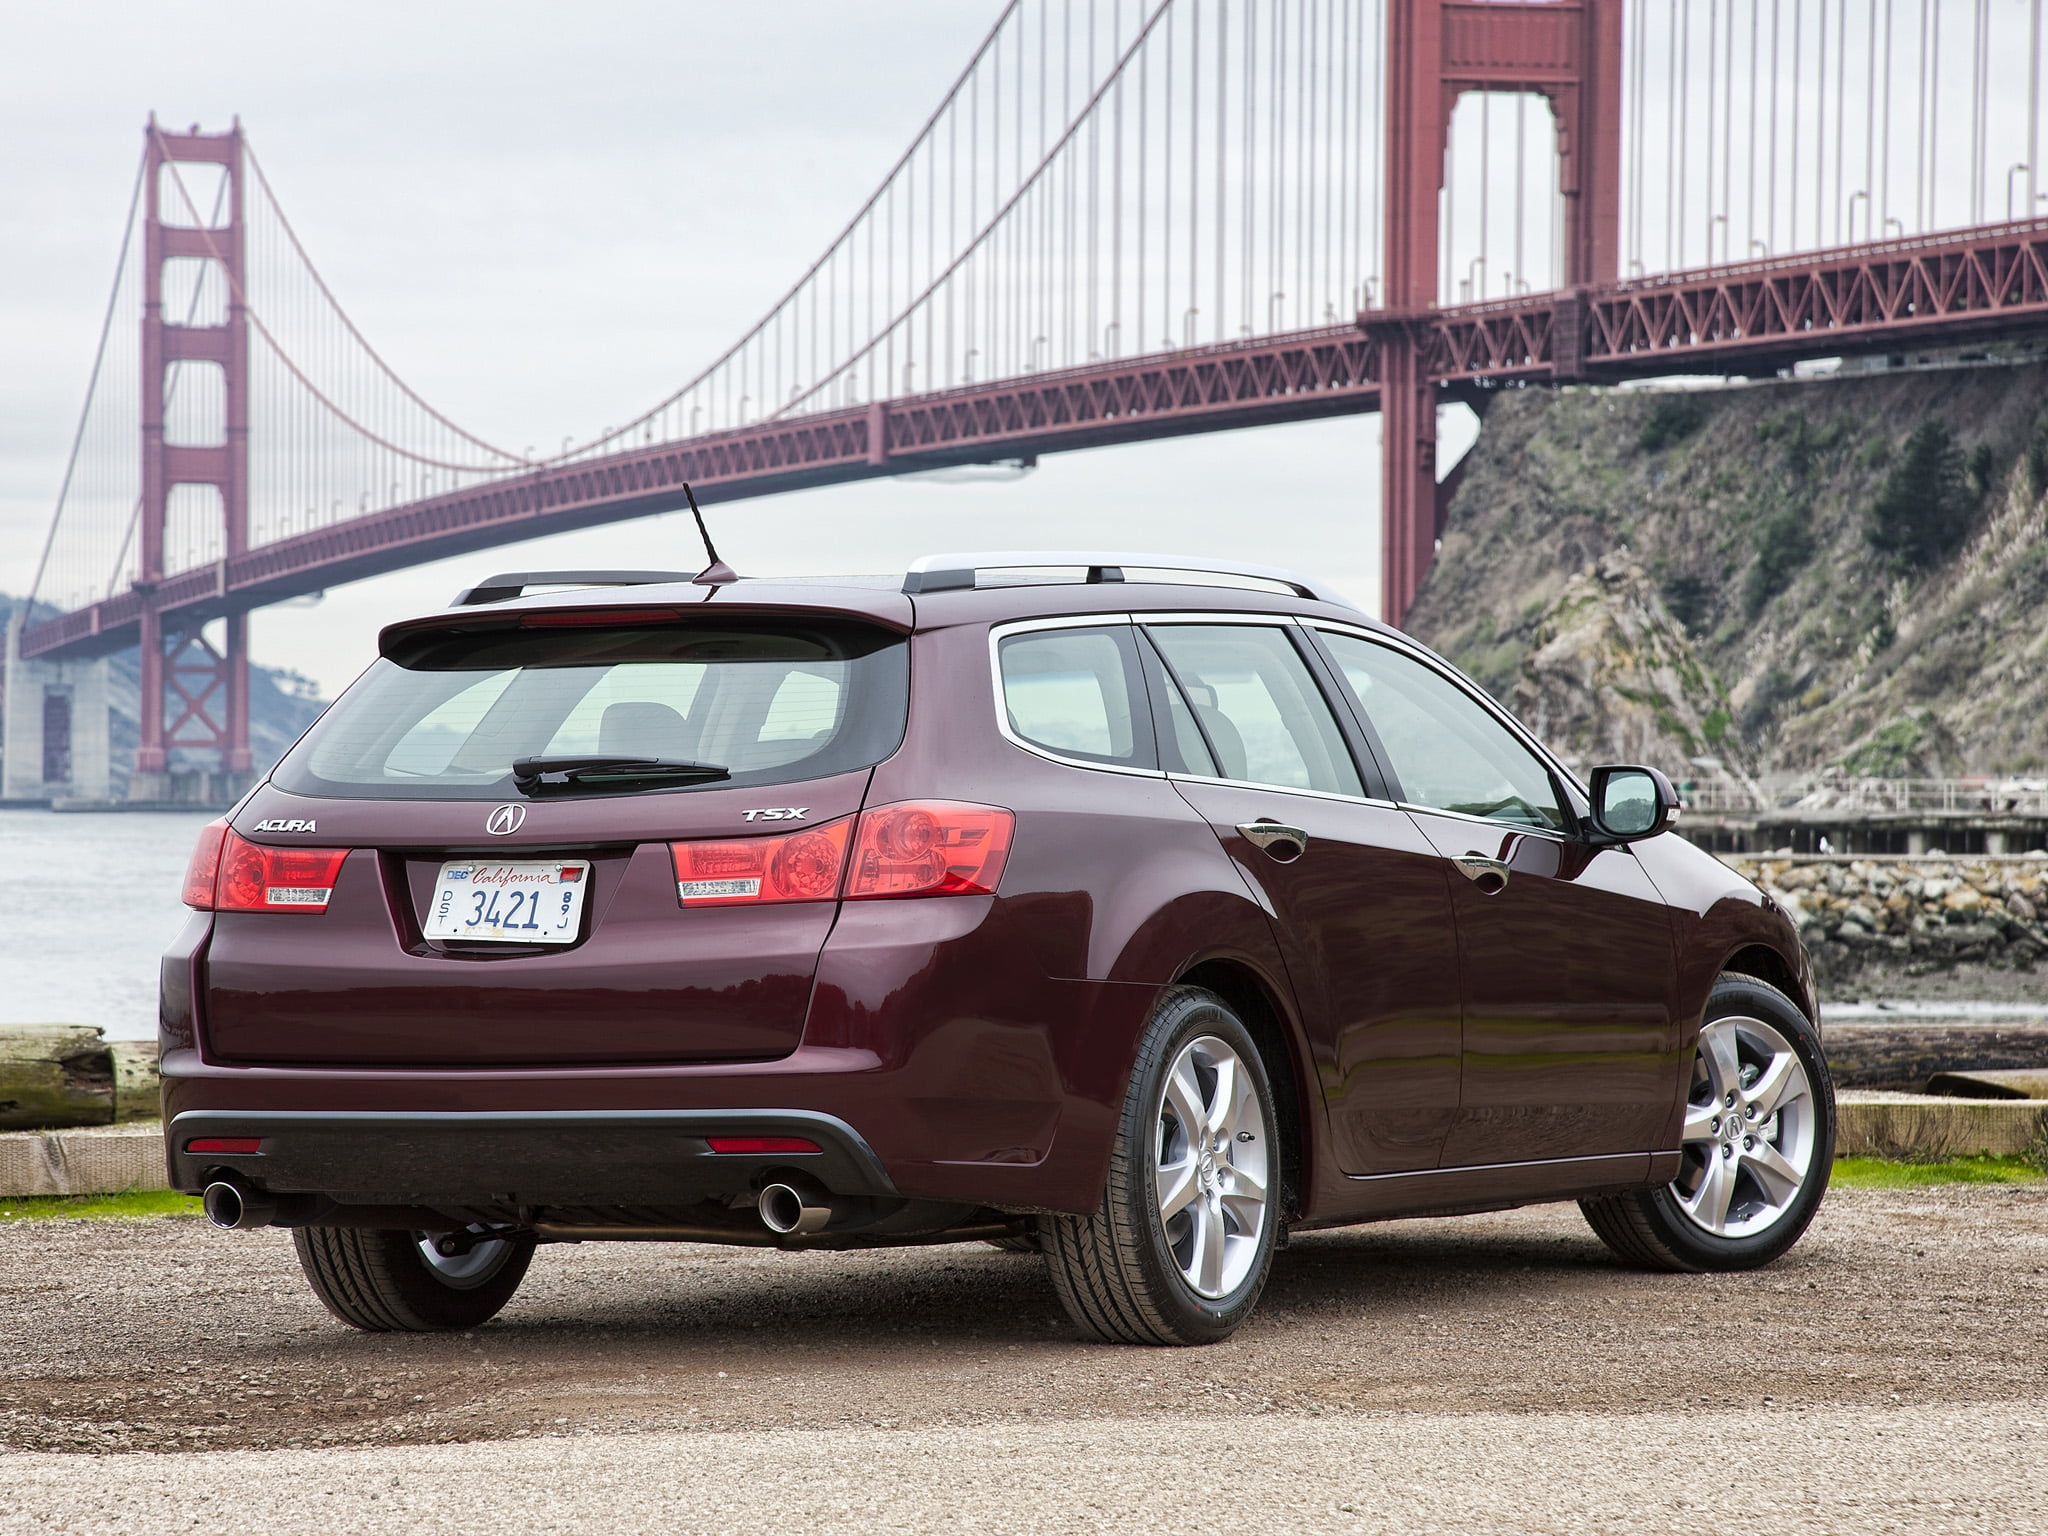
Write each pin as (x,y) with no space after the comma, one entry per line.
(2017,168)
(1473,281)
(1109,332)
(1859,192)
(1722,220)
(1759,247)
(1894,221)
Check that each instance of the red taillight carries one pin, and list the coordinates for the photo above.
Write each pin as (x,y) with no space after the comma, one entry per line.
(799,866)
(227,1144)
(594,617)
(204,870)
(930,848)
(254,878)
(761,1144)
(918,848)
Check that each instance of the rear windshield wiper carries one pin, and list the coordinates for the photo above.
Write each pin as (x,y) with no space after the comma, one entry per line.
(538,775)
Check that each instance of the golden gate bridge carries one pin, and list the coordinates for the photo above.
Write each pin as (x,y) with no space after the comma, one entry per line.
(1125,220)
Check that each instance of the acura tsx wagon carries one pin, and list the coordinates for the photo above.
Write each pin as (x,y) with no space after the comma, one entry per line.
(1132,910)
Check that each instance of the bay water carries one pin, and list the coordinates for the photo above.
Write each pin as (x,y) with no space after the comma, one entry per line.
(88,902)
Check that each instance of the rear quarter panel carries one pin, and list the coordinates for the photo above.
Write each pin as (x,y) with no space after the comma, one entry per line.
(1113,888)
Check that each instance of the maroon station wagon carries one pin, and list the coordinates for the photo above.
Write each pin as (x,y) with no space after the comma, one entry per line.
(1133,910)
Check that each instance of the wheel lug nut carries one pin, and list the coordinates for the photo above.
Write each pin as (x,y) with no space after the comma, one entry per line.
(1749,1143)
(1731,1101)
(1727,1149)
(1717,1125)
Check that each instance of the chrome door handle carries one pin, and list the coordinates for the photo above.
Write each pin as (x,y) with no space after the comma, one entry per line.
(1280,842)
(1489,874)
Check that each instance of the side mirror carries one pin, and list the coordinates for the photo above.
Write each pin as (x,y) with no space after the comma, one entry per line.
(1631,803)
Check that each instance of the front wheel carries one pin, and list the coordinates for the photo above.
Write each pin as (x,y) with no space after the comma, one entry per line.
(1756,1151)
(404,1282)
(1179,1249)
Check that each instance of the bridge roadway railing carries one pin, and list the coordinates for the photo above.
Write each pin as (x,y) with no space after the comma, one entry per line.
(1952,287)
(1847,798)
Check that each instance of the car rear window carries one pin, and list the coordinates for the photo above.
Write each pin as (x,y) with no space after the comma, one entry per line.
(443,714)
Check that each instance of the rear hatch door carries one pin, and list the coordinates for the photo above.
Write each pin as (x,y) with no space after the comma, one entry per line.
(609,963)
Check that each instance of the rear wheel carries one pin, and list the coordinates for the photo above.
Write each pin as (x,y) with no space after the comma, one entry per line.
(1180,1247)
(402,1282)
(1756,1151)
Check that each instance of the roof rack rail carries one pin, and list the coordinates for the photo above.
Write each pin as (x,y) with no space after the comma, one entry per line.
(960,572)
(498,589)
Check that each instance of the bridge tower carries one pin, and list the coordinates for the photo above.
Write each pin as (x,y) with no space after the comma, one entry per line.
(193,694)
(1568,51)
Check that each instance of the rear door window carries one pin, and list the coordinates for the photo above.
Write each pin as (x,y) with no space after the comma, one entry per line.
(1256,706)
(444,714)
(1077,692)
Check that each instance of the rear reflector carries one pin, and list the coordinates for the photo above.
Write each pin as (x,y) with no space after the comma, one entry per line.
(761,1144)
(799,866)
(229,1144)
(249,877)
(930,848)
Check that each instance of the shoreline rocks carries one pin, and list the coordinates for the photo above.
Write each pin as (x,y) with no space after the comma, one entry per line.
(1915,916)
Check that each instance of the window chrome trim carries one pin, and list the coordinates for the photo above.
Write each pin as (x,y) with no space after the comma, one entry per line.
(1282,789)
(998,699)
(1415,653)
(1190,616)
(1487,821)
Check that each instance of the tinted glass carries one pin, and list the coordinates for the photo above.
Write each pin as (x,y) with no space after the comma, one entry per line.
(1258,707)
(444,715)
(1072,691)
(1448,751)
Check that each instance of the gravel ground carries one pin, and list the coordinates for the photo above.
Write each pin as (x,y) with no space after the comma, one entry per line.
(1487,1373)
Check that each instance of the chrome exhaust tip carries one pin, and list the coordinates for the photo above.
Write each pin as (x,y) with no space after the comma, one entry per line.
(234,1207)
(791,1211)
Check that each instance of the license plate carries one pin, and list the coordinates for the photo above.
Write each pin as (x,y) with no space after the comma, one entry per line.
(509,903)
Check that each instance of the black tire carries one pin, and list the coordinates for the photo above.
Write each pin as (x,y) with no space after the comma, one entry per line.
(1119,1272)
(381,1282)
(1652,1229)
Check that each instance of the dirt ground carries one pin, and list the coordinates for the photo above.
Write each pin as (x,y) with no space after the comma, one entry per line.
(1920,1314)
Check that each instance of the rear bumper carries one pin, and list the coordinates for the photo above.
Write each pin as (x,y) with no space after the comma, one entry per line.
(529,1158)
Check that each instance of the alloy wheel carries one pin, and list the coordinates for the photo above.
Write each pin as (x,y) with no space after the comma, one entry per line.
(1212,1173)
(463,1271)
(1750,1128)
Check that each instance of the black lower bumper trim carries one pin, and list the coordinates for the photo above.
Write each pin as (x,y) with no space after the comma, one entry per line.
(532,1158)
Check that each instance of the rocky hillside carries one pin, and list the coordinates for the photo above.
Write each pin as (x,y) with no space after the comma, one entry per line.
(1782,576)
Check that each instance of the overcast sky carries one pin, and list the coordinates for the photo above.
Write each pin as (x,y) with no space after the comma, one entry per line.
(546,217)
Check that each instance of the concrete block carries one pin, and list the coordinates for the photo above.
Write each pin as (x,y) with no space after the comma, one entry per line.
(1912,1126)
(116,1160)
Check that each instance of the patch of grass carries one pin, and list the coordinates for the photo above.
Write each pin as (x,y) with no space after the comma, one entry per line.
(1672,419)
(129,1207)
(1884,1173)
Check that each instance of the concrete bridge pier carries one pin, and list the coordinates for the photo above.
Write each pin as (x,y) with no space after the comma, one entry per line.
(54,735)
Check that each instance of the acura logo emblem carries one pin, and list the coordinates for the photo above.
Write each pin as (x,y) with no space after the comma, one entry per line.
(506,818)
